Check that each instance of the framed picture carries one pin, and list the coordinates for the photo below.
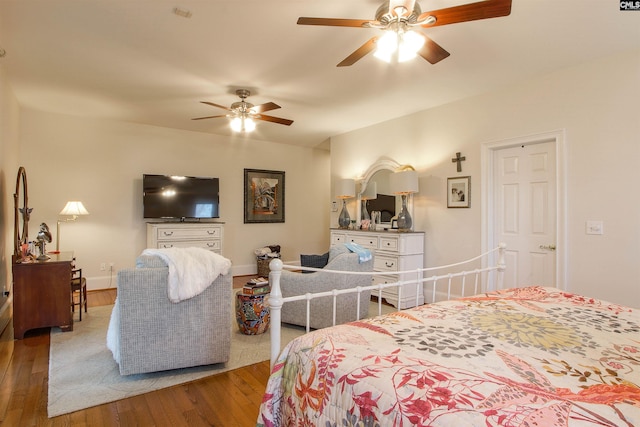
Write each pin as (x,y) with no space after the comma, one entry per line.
(459,192)
(263,196)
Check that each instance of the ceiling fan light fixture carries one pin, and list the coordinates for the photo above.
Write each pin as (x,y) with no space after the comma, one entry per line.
(242,124)
(403,45)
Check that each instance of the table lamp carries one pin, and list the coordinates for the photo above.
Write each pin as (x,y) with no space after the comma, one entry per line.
(74,209)
(404,182)
(346,189)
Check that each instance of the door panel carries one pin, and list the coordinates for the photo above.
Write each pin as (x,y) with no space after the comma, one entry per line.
(525,209)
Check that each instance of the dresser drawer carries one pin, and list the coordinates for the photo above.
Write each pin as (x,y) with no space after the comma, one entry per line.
(211,245)
(385,263)
(178,233)
(370,242)
(336,238)
(389,244)
(384,280)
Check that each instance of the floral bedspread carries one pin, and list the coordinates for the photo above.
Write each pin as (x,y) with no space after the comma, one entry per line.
(520,357)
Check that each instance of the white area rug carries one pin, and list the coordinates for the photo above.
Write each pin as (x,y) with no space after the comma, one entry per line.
(82,372)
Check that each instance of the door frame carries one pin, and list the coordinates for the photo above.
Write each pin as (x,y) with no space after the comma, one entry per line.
(488,150)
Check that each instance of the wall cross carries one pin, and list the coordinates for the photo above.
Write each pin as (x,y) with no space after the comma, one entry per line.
(457,159)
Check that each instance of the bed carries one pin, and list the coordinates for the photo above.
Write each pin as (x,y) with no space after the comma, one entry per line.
(533,356)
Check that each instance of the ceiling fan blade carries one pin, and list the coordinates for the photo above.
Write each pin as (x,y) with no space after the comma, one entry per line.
(216,105)
(334,22)
(359,53)
(468,12)
(209,117)
(432,51)
(272,119)
(268,106)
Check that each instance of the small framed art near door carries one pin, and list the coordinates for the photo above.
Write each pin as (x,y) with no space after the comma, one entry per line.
(263,196)
(459,192)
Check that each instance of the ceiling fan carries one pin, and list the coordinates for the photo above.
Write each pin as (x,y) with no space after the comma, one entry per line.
(243,113)
(398,17)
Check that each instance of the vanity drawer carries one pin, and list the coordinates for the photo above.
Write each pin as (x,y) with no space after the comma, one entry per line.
(179,233)
(370,242)
(389,244)
(336,238)
(385,263)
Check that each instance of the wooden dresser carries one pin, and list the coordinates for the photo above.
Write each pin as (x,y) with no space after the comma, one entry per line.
(393,251)
(42,294)
(207,235)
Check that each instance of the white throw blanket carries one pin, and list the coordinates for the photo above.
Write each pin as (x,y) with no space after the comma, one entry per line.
(191,270)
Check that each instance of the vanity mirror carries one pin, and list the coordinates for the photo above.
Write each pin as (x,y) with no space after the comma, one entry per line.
(376,183)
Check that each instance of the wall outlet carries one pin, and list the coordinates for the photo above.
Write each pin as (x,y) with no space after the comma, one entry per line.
(103,266)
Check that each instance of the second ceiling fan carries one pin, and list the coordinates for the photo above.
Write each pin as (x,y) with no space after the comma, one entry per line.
(399,17)
(243,113)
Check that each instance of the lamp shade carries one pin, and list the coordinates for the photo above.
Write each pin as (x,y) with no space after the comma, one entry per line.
(370,191)
(404,182)
(346,189)
(74,208)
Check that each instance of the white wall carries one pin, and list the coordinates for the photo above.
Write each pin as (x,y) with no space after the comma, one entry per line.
(9,113)
(596,104)
(101,163)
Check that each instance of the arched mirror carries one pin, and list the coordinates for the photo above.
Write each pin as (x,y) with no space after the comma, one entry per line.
(21,213)
(375,193)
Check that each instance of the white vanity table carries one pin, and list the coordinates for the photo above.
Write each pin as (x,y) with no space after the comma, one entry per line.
(393,252)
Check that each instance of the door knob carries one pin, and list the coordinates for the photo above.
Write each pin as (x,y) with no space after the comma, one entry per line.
(548,247)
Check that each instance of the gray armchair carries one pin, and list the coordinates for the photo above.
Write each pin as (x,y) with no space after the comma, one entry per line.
(321,312)
(149,333)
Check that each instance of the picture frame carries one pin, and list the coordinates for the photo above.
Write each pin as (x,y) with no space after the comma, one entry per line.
(459,192)
(263,196)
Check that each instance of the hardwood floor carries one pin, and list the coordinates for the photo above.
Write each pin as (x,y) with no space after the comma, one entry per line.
(228,399)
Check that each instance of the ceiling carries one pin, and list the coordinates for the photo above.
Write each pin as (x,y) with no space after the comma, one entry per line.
(137,61)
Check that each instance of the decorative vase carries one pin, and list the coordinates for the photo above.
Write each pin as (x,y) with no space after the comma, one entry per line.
(344,219)
(364,214)
(404,219)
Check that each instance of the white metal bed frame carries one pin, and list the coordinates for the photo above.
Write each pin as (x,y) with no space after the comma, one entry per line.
(276,300)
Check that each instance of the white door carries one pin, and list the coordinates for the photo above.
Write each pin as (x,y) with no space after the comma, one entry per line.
(525,212)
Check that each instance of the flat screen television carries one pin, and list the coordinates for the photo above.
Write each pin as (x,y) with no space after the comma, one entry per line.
(180,197)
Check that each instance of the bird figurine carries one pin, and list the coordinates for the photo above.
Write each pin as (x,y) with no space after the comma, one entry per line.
(44,237)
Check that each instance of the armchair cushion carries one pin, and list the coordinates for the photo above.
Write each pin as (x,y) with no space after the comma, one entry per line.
(314,261)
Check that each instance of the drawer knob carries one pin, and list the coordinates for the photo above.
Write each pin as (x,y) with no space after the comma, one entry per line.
(389,264)
(211,232)
(168,233)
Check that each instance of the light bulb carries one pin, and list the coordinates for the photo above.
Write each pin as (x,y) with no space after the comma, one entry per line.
(249,125)
(410,44)
(386,46)
(236,124)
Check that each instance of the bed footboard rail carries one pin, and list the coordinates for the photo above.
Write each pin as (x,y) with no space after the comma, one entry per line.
(421,279)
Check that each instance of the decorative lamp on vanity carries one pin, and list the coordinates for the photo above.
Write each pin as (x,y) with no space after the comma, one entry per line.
(346,189)
(404,182)
(73,209)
